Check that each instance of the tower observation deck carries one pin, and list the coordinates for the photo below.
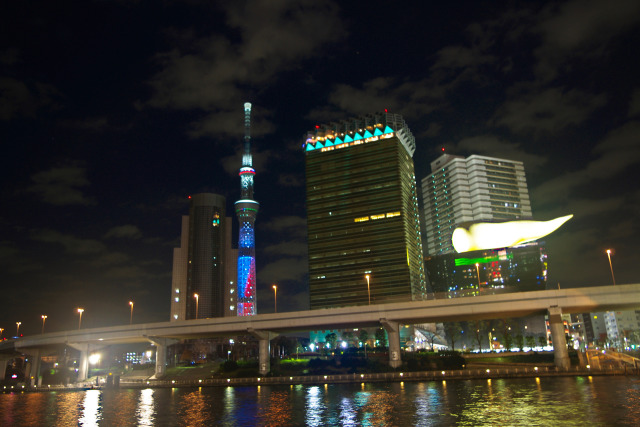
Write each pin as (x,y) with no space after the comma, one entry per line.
(246,210)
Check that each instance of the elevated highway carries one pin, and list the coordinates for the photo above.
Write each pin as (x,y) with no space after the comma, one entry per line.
(390,316)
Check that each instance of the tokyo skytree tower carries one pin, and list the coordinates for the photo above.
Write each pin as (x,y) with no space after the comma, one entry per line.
(247,209)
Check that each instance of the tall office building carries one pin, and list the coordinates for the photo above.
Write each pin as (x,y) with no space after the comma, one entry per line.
(203,264)
(477,188)
(247,210)
(362,213)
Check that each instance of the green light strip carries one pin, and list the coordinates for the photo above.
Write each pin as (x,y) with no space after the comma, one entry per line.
(473,261)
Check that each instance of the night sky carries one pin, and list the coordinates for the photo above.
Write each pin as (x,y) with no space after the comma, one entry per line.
(113,112)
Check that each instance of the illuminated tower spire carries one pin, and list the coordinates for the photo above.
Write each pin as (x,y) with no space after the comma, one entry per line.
(246,209)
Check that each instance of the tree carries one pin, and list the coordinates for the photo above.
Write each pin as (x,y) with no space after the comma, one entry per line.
(452,329)
(542,340)
(363,336)
(381,338)
(347,336)
(531,341)
(520,342)
(508,341)
(479,329)
(331,339)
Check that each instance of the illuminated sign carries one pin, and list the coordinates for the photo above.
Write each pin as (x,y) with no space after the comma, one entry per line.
(334,142)
(490,235)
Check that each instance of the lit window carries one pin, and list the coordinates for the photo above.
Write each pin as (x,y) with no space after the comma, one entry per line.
(177,299)
(177,291)
(175,316)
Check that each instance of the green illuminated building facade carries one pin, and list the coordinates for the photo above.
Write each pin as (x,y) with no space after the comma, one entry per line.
(362,213)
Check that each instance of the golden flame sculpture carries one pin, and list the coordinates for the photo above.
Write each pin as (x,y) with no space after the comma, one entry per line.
(491,235)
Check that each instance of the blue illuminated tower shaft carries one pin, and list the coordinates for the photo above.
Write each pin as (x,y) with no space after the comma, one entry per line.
(247,209)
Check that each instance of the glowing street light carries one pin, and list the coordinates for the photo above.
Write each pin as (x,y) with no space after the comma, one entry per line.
(611,266)
(18,328)
(366,276)
(478,272)
(131,316)
(1,331)
(80,311)
(197,297)
(275,298)
(44,318)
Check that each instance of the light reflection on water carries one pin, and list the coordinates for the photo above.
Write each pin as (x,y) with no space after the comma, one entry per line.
(146,411)
(90,413)
(599,401)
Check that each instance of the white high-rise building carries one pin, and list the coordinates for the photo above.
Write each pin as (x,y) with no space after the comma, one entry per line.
(464,190)
(622,327)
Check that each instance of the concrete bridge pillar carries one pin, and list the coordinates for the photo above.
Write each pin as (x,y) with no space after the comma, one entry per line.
(35,366)
(264,342)
(161,355)
(560,352)
(393,333)
(3,368)
(83,367)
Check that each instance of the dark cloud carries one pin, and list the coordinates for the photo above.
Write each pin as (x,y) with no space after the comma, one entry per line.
(96,124)
(209,72)
(634,104)
(617,152)
(580,28)
(18,98)
(10,56)
(124,232)
(72,244)
(287,224)
(432,131)
(60,186)
(110,259)
(260,159)
(456,57)
(290,180)
(490,145)
(548,111)
(294,269)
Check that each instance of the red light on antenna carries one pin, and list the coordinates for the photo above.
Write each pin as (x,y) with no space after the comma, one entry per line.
(386,111)
(443,149)
(189,197)
(317,126)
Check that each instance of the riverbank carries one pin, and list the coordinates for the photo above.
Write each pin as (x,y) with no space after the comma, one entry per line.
(450,375)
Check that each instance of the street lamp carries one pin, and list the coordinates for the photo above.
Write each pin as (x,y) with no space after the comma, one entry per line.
(18,328)
(366,276)
(478,272)
(44,318)
(275,298)
(80,311)
(131,316)
(611,266)
(1,331)
(197,297)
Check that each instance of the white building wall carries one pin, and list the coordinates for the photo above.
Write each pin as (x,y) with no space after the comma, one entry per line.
(461,190)
(179,275)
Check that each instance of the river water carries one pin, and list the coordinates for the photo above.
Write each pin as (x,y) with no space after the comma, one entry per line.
(579,401)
